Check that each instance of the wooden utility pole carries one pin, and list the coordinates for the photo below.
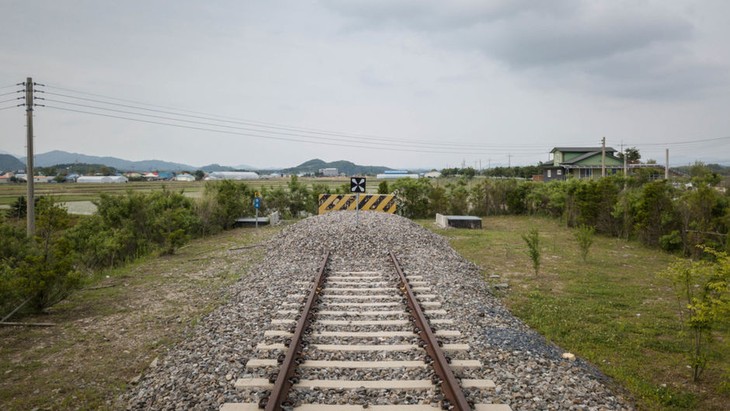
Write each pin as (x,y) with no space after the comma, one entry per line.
(30,203)
(666,165)
(625,165)
(603,157)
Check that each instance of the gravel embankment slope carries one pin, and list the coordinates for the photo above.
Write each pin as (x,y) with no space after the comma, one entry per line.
(529,372)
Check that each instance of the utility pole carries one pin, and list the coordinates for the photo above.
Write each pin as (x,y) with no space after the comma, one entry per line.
(509,160)
(666,165)
(625,164)
(603,157)
(30,204)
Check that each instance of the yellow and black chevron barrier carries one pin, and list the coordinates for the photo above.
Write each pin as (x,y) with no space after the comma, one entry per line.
(368,202)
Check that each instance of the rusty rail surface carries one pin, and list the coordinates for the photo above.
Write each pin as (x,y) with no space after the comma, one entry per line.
(449,385)
(285,379)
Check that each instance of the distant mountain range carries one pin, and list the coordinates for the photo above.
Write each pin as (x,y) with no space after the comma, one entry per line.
(10,163)
(52,158)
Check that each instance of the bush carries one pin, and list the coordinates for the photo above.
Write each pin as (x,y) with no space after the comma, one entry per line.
(584,237)
(703,287)
(41,271)
(136,224)
(414,197)
(231,201)
(532,239)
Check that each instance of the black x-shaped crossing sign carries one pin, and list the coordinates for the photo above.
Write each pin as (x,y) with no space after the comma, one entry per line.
(357,184)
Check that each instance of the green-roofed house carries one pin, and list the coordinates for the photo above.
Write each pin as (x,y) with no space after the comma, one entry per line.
(580,162)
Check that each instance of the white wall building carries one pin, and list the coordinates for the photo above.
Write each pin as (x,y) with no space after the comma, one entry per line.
(396,176)
(102,179)
(184,177)
(232,175)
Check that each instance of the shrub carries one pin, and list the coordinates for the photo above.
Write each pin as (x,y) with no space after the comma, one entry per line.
(232,201)
(41,271)
(584,237)
(414,197)
(703,287)
(532,239)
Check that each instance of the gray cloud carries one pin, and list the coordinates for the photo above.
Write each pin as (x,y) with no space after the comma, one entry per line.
(625,49)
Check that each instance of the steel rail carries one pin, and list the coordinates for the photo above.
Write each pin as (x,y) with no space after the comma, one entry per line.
(285,379)
(449,385)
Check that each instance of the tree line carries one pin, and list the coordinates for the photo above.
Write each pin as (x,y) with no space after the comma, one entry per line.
(659,213)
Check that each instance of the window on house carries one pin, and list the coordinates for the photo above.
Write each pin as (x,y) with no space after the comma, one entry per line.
(559,172)
(550,173)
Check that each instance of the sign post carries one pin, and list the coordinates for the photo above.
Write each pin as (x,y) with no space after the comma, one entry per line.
(257,205)
(357,186)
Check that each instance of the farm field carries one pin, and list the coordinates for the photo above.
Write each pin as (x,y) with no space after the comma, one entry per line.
(612,310)
(72,192)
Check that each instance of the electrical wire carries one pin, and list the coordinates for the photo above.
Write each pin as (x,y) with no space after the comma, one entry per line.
(12,92)
(342,138)
(7,108)
(261,136)
(12,99)
(248,129)
(684,142)
(211,117)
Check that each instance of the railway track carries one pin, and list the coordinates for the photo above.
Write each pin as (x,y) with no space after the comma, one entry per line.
(366,339)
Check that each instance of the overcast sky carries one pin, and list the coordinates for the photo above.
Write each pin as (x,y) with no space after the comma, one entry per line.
(400,83)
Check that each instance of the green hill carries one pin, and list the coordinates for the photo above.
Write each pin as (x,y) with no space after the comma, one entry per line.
(342,166)
(10,163)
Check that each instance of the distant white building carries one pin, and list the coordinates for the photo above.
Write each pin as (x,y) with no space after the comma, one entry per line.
(396,176)
(102,179)
(184,177)
(433,174)
(36,179)
(232,175)
(329,172)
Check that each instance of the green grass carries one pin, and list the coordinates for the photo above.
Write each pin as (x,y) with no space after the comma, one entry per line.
(112,329)
(612,310)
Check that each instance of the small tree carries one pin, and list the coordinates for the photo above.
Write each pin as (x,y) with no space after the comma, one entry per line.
(383,188)
(584,237)
(532,238)
(703,289)
(18,209)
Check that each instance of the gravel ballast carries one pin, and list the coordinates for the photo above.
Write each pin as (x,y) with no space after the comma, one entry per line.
(529,373)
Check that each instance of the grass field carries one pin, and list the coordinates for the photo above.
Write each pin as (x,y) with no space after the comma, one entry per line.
(612,310)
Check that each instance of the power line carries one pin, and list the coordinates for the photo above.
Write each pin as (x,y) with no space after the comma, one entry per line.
(12,92)
(344,139)
(256,135)
(683,142)
(9,107)
(12,99)
(239,128)
(211,117)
